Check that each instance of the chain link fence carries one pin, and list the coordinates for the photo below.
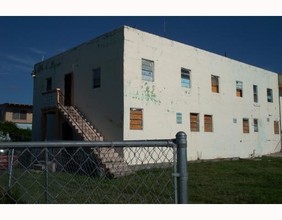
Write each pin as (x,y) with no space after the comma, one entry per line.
(94,172)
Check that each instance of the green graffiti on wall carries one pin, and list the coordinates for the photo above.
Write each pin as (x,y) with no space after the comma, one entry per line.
(148,95)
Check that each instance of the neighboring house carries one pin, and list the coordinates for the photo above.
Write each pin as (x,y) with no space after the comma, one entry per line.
(129,84)
(20,114)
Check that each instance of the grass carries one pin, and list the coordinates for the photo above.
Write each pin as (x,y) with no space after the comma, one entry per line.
(256,181)
(153,186)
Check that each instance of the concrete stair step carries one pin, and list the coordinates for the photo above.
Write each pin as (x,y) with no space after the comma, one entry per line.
(108,156)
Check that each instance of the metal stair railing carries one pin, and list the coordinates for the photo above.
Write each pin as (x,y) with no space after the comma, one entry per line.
(82,128)
(88,132)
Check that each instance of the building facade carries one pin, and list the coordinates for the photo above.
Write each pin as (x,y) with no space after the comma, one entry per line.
(129,85)
(20,114)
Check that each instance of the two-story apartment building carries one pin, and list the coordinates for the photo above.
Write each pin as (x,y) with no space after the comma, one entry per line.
(129,84)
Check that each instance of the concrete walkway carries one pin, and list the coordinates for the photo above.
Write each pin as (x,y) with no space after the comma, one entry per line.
(278,154)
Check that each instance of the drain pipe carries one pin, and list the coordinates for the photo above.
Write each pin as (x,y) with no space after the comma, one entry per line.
(279,97)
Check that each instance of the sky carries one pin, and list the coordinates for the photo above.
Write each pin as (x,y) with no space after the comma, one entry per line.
(26,40)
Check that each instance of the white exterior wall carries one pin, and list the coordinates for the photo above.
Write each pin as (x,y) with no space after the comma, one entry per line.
(103,106)
(163,98)
(119,55)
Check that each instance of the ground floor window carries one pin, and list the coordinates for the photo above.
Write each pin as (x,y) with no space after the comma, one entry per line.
(194,122)
(255,125)
(246,128)
(136,119)
(276,127)
(179,118)
(208,123)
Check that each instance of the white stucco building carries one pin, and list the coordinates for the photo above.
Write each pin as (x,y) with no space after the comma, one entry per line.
(133,85)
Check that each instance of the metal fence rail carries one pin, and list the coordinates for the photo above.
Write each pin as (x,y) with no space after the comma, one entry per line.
(69,172)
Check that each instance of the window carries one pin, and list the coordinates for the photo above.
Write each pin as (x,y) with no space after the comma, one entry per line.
(208,123)
(96,77)
(48,84)
(19,114)
(1,114)
(276,127)
(255,92)
(255,125)
(194,122)
(185,78)
(179,118)
(215,83)
(269,95)
(246,128)
(136,119)
(147,70)
(239,89)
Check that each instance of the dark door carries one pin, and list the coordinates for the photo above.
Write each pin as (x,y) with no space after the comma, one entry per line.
(68,89)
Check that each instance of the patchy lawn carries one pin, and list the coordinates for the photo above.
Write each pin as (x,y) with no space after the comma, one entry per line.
(256,181)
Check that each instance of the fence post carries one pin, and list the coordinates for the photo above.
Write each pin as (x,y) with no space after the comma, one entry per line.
(182,178)
(46,175)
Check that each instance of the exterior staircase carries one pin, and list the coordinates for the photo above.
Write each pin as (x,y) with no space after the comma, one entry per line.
(108,159)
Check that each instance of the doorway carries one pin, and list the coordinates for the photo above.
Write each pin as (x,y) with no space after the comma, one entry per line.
(68,89)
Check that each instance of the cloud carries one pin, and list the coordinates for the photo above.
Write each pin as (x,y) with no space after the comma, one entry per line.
(16,64)
(37,51)
(28,61)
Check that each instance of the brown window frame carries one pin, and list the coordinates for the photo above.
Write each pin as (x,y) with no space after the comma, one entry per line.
(208,120)
(276,127)
(215,84)
(194,122)
(239,91)
(246,125)
(136,119)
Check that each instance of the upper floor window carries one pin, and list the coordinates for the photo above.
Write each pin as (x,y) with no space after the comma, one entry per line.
(48,84)
(147,70)
(255,92)
(239,89)
(269,95)
(185,78)
(19,114)
(96,77)
(215,83)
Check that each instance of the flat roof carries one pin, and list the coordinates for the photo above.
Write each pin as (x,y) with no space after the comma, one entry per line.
(16,105)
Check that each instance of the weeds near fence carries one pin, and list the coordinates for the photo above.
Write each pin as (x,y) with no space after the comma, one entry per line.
(150,171)
(256,181)
(142,187)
